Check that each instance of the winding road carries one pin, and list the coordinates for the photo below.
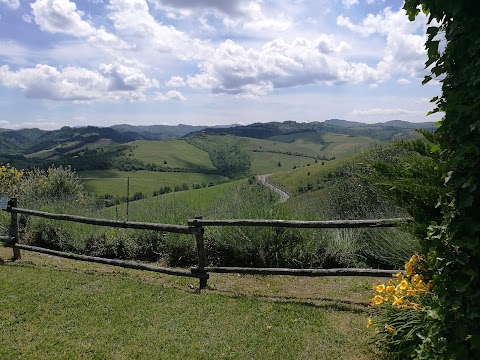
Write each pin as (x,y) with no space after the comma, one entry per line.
(284,196)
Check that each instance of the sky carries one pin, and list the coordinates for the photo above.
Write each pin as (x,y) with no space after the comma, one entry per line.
(209,62)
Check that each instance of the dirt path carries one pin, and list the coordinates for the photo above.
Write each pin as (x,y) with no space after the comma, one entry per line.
(284,196)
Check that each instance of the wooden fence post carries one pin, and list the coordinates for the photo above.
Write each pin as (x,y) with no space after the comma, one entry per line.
(14,229)
(201,254)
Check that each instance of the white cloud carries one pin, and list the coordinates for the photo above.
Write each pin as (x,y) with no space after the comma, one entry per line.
(235,70)
(27,18)
(404,51)
(62,16)
(132,19)
(172,95)
(122,78)
(235,14)
(349,3)
(12,4)
(403,81)
(111,82)
(176,81)
(13,51)
(386,112)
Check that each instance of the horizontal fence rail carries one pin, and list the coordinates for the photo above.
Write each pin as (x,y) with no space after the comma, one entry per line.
(6,238)
(300,272)
(330,224)
(115,262)
(105,222)
(197,227)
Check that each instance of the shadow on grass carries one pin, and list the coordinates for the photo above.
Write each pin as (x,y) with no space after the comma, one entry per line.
(325,303)
(317,302)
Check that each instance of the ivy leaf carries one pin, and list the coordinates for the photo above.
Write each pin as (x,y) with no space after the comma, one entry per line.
(426,79)
(448,177)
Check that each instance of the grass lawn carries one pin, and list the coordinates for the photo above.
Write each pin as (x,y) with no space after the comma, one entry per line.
(56,308)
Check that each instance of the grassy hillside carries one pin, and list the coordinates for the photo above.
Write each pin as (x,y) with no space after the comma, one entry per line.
(172,153)
(54,308)
(293,179)
(114,182)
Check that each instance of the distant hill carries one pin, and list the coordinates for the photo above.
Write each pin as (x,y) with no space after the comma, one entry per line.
(393,123)
(265,130)
(161,132)
(35,143)
(410,125)
(31,144)
(388,131)
(17,141)
(343,123)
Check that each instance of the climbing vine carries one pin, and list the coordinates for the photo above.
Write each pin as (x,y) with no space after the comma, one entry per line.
(453,47)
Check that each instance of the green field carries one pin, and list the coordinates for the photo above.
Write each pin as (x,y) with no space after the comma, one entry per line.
(267,163)
(55,308)
(340,146)
(171,153)
(291,180)
(299,146)
(114,182)
(300,150)
(175,207)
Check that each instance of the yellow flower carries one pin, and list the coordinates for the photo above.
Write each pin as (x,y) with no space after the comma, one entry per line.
(409,269)
(390,329)
(380,288)
(369,322)
(377,300)
(397,301)
(390,289)
(403,285)
(411,292)
(416,278)
(399,276)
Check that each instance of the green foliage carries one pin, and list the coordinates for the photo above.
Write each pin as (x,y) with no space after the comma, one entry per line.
(51,185)
(454,245)
(228,154)
(412,180)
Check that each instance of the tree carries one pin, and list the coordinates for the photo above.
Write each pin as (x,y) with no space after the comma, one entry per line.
(454,245)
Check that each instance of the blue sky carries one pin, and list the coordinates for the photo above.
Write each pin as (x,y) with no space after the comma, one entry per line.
(207,62)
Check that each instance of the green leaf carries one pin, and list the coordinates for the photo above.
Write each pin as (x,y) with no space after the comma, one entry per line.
(435,148)
(426,79)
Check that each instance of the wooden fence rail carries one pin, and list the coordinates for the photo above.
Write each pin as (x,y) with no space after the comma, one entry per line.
(105,222)
(331,224)
(197,227)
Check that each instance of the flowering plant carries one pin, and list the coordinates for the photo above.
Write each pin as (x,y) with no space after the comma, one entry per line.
(400,308)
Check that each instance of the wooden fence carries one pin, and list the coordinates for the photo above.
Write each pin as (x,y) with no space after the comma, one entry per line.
(195,227)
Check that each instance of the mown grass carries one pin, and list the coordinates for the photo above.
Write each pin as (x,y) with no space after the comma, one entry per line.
(114,182)
(55,308)
(171,153)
